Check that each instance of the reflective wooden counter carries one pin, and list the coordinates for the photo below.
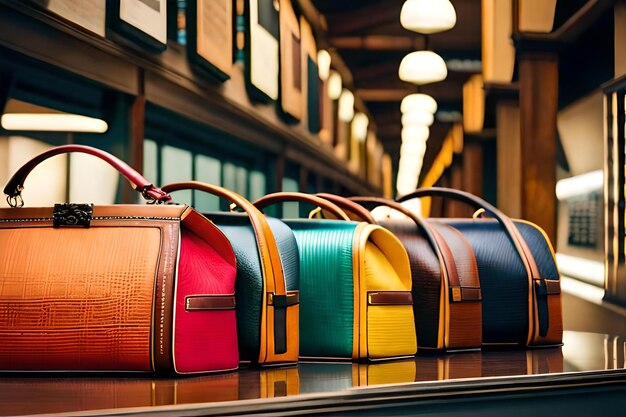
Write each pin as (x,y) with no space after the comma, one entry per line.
(586,373)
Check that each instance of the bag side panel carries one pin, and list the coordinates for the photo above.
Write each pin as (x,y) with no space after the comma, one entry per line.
(77,298)
(326,287)
(390,328)
(249,281)
(204,340)
(544,256)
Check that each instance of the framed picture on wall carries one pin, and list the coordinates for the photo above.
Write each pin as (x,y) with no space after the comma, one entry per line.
(261,57)
(210,35)
(141,21)
(291,83)
(310,75)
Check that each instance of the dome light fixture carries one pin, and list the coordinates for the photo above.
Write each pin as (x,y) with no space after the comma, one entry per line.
(323,64)
(334,85)
(428,16)
(359,126)
(418,101)
(422,67)
(346,106)
(415,133)
(417,117)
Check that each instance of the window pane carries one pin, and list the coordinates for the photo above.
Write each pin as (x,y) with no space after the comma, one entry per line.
(257,185)
(207,170)
(241,181)
(229,177)
(46,184)
(150,161)
(176,165)
(290,209)
(92,180)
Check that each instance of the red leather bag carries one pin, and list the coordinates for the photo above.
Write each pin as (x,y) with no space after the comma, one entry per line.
(119,287)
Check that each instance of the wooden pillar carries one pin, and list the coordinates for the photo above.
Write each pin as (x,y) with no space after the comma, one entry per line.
(473,167)
(538,80)
(136,127)
(614,200)
(509,149)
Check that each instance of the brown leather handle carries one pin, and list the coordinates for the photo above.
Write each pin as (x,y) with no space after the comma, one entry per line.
(477,202)
(15,185)
(281,197)
(353,210)
(439,245)
(270,258)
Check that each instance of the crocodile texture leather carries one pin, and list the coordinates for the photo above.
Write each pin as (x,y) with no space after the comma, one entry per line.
(326,287)
(249,283)
(77,298)
(503,280)
(207,339)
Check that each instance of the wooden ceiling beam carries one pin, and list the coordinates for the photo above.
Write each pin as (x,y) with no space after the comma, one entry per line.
(363,19)
(379,42)
(384,94)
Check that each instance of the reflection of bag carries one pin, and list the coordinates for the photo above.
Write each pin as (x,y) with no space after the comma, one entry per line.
(355,283)
(446,289)
(269,383)
(489,363)
(267,278)
(521,293)
(123,287)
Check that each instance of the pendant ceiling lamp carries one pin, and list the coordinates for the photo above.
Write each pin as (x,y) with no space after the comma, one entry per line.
(415,133)
(323,63)
(417,117)
(418,101)
(359,126)
(427,16)
(334,85)
(422,67)
(346,106)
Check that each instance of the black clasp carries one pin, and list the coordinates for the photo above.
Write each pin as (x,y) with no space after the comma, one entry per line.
(72,214)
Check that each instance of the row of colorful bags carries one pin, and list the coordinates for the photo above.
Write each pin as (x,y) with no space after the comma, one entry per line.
(164,288)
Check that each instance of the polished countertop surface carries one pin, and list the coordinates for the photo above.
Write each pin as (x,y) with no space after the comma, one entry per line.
(584,358)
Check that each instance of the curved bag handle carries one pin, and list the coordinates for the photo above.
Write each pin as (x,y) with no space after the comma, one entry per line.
(280,197)
(353,210)
(14,187)
(436,240)
(537,284)
(270,258)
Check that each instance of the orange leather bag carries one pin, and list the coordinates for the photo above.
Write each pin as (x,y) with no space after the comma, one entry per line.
(120,287)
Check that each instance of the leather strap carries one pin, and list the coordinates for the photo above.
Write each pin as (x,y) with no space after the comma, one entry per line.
(268,251)
(437,242)
(353,210)
(512,232)
(15,185)
(280,197)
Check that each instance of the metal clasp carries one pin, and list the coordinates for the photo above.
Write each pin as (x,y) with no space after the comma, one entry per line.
(72,215)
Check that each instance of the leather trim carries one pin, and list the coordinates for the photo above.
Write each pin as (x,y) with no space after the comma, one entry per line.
(553,286)
(209,302)
(162,353)
(291,298)
(381,298)
(355,211)
(460,294)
